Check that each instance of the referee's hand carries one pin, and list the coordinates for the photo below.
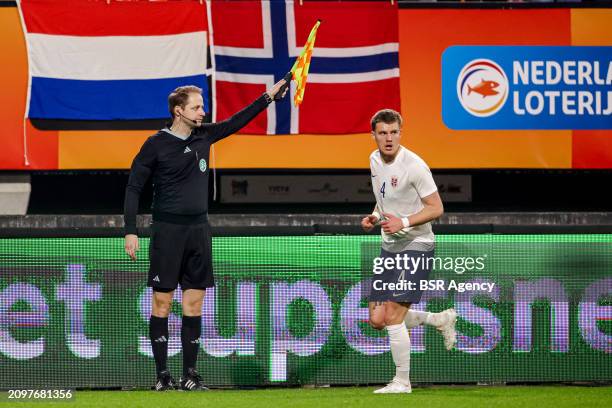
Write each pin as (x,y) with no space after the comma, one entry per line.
(279,90)
(131,245)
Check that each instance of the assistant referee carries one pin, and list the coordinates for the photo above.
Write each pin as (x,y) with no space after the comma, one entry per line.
(175,159)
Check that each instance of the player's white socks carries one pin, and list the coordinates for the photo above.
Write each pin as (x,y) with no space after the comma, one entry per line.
(400,350)
(416,318)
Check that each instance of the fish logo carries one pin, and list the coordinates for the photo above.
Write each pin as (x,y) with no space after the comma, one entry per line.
(485,88)
(482,87)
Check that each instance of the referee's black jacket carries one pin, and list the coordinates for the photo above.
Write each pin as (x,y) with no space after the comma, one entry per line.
(179,170)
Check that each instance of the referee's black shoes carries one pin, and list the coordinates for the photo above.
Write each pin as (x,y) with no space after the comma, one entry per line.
(165,382)
(192,381)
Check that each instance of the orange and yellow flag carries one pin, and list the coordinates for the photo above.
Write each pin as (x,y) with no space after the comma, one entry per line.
(302,63)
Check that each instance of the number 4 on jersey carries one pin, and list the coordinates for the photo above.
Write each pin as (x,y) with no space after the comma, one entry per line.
(382,189)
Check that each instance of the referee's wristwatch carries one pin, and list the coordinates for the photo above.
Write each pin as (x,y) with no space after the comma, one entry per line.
(269,99)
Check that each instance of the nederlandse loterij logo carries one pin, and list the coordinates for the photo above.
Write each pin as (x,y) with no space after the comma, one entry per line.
(482,87)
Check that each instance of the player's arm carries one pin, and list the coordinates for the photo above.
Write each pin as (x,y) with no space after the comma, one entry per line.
(369,221)
(223,129)
(141,170)
(432,209)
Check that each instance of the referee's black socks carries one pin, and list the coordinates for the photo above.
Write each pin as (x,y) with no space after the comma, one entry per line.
(191,330)
(158,333)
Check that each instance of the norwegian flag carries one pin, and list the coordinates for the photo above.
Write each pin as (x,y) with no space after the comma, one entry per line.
(354,69)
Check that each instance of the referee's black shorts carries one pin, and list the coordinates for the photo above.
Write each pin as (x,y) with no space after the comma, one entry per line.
(180,254)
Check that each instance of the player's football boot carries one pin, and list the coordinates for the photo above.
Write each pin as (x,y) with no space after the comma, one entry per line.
(394,387)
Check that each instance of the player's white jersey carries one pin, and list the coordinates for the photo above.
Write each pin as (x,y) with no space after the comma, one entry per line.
(398,187)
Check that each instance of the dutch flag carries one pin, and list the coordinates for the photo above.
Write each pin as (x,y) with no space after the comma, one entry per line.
(108,61)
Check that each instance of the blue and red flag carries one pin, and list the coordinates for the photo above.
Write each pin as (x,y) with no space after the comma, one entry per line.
(354,69)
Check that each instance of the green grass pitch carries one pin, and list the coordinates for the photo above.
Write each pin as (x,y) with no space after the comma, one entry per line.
(555,396)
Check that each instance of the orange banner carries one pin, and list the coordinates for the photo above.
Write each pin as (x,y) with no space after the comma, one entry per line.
(424,34)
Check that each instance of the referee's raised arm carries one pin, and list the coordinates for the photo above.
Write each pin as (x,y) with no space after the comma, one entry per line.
(220,130)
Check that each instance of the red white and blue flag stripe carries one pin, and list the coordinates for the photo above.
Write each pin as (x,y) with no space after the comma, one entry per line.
(354,70)
(108,61)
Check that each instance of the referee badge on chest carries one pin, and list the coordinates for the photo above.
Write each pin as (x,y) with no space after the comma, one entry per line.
(202,165)
(393,181)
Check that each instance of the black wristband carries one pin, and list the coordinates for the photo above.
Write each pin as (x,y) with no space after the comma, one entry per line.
(268,98)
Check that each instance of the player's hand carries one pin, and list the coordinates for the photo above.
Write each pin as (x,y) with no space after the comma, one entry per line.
(131,245)
(368,223)
(392,224)
(280,89)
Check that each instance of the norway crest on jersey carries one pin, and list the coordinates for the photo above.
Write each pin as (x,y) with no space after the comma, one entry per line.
(393,181)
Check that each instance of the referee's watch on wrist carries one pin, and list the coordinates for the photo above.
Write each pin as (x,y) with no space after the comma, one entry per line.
(268,98)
